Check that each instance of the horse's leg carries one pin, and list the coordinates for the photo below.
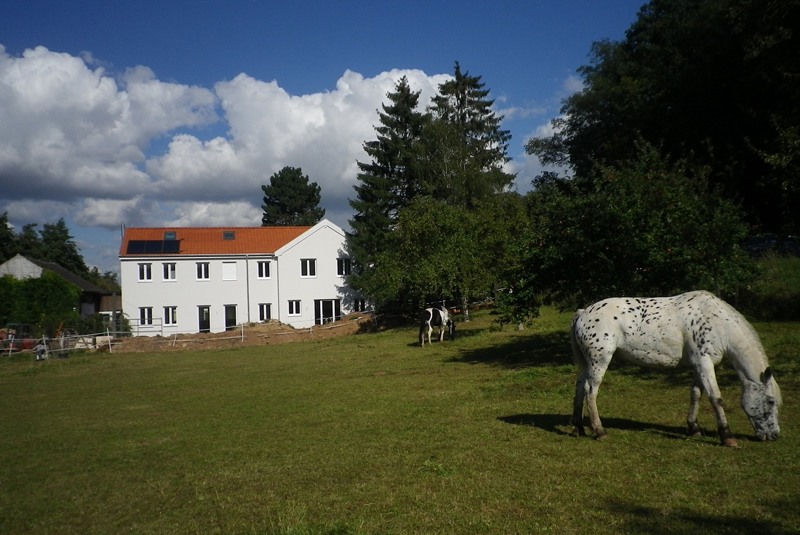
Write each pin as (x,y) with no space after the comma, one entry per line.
(694,407)
(708,379)
(592,386)
(578,403)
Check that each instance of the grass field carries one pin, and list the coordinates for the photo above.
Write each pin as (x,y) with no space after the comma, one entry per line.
(372,434)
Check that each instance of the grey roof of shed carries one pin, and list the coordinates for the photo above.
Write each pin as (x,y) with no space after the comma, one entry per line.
(70,277)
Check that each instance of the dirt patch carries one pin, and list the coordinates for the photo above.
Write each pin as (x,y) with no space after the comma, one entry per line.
(257,334)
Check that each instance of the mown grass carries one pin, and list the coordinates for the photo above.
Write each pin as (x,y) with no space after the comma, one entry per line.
(372,434)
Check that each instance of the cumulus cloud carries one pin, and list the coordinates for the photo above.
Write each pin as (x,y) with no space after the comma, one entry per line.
(104,149)
(68,131)
(322,133)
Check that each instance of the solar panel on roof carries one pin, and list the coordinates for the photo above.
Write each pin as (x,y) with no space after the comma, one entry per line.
(135,247)
(153,246)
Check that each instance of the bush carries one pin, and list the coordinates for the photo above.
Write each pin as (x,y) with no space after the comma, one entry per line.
(775,294)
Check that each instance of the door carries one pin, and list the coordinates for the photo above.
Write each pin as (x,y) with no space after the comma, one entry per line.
(204,318)
(230,317)
(327,310)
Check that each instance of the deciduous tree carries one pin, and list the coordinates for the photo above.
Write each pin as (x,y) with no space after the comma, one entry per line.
(713,81)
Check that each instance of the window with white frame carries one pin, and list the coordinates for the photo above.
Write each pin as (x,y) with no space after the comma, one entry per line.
(263,269)
(342,266)
(170,315)
(169,271)
(264,311)
(202,271)
(294,307)
(229,271)
(359,305)
(145,272)
(145,315)
(308,267)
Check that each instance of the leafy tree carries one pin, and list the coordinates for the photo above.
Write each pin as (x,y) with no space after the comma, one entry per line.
(8,239)
(430,258)
(645,227)
(58,247)
(713,81)
(107,280)
(44,302)
(29,243)
(290,199)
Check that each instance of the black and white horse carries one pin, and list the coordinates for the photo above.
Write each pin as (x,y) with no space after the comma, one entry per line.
(435,317)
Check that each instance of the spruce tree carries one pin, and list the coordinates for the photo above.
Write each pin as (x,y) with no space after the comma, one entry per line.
(465,111)
(389,181)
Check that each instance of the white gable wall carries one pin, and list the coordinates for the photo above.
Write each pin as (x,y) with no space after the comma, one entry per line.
(20,267)
(322,244)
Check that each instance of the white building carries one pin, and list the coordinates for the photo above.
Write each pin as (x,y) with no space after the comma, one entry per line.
(188,280)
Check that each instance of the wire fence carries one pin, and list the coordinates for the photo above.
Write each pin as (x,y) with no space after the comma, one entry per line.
(60,345)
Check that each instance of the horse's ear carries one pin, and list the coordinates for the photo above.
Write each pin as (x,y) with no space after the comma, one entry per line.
(766,375)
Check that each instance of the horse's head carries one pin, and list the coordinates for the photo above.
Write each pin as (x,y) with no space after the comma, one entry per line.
(451,329)
(761,400)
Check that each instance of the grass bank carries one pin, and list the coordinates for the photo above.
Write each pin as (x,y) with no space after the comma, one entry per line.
(372,434)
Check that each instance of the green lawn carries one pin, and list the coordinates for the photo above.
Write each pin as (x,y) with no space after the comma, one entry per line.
(373,434)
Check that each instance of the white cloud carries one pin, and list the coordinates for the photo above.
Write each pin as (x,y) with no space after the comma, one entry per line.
(215,214)
(70,132)
(572,84)
(78,142)
(109,213)
(322,133)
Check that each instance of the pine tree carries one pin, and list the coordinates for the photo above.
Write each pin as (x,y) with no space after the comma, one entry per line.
(464,107)
(389,181)
(290,199)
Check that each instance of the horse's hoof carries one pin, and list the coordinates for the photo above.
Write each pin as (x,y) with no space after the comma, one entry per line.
(730,442)
(601,436)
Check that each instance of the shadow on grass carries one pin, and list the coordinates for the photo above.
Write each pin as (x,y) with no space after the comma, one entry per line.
(559,424)
(641,519)
(554,349)
(524,351)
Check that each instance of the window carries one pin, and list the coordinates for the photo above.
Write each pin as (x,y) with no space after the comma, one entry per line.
(202,270)
(169,235)
(264,311)
(170,315)
(145,315)
(263,269)
(228,235)
(294,308)
(359,305)
(145,272)
(308,267)
(229,271)
(342,266)
(169,271)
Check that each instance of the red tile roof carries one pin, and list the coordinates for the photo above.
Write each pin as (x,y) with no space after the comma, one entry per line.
(210,240)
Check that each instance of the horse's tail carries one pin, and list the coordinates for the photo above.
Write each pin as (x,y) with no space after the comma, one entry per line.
(577,355)
(424,323)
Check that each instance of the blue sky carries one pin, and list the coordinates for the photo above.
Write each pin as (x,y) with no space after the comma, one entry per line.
(175,112)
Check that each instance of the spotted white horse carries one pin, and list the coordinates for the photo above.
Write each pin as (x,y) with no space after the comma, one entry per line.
(694,329)
(435,317)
